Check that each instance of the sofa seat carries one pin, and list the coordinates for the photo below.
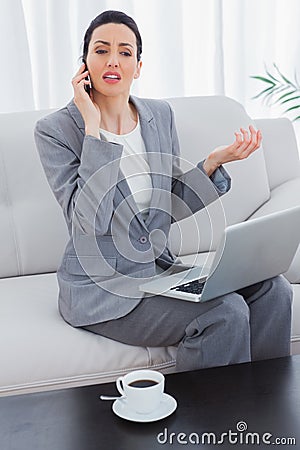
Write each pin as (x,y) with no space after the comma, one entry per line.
(49,353)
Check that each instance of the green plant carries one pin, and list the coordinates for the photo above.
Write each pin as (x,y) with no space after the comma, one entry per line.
(280,90)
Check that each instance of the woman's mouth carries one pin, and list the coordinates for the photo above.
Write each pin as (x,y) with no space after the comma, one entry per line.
(111,77)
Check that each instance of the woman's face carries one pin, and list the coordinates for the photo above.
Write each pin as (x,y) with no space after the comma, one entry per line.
(112,59)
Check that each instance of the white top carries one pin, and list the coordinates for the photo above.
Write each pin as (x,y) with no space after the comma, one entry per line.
(134,165)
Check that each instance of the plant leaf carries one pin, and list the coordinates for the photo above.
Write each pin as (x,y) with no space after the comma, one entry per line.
(285,95)
(290,99)
(266,80)
(270,75)
(279,90)
(283,77)
(293,107)
(263,92)
(272,96)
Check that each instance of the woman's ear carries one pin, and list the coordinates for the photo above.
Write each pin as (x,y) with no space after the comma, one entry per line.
(138,70)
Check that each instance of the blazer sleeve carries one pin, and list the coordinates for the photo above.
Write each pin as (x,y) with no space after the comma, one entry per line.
(194,189)
(84,185)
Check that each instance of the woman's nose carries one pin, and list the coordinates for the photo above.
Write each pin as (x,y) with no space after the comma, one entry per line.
(113,61)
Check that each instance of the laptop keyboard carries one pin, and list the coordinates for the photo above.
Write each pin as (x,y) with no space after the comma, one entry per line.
(193,287)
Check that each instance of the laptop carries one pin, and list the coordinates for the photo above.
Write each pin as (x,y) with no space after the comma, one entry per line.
(248,252)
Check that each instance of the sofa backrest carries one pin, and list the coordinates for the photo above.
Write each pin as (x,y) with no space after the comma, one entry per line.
(32,229)
(33,233)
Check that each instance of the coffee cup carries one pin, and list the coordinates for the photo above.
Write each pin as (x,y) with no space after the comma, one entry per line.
(142,389)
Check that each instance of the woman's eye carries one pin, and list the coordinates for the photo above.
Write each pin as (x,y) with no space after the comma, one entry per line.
(101,52)
(126,53)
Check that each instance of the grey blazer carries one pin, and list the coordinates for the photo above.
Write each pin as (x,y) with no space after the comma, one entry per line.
(112,247)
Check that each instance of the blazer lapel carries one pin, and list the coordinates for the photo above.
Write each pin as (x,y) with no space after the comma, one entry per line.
(151,139)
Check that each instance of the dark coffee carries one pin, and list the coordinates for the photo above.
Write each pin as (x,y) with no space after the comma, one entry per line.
(142,383)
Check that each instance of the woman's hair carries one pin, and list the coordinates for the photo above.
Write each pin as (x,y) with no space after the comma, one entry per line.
(112,17)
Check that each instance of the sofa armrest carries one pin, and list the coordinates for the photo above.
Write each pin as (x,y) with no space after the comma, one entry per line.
(280,150)
(283,197)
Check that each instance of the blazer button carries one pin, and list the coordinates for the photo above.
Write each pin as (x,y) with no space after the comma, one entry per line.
(143,239)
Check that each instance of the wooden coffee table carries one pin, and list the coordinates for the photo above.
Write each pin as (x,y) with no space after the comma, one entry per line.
(228,407)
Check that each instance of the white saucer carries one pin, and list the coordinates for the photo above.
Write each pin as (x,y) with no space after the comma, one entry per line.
(165,409)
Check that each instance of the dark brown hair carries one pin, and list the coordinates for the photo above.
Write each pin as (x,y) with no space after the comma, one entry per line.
(112,17)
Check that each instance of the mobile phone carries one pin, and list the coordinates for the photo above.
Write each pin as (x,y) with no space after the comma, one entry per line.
(87,87)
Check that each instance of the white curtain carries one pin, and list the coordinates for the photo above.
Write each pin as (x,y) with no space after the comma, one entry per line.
(16,72)
(190,47)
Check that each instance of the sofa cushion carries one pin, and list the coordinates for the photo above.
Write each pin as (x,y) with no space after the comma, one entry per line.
(41,351)
(204,123)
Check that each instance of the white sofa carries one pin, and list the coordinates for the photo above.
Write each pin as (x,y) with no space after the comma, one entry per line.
(38,349)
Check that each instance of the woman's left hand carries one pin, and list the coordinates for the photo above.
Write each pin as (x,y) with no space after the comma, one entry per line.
(244,145)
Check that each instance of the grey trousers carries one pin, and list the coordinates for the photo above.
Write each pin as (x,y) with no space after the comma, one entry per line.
(250,324)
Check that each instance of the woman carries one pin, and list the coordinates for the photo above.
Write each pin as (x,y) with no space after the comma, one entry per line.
(112,161)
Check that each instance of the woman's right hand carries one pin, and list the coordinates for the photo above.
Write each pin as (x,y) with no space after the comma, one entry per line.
(89,110)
